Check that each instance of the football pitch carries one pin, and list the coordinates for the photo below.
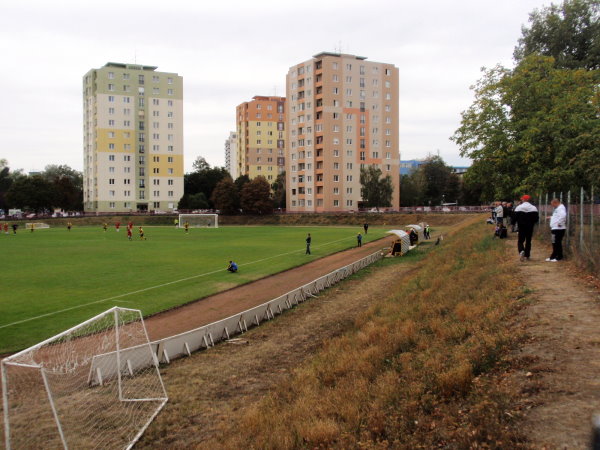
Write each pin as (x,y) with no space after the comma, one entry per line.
(54,279)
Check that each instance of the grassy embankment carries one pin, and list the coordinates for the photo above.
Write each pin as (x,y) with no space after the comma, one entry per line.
(422,368)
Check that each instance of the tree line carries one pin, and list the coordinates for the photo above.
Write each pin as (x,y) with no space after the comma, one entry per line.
(58,186)
(536,126)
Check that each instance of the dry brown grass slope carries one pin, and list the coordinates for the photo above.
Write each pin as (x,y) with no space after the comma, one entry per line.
(419,369)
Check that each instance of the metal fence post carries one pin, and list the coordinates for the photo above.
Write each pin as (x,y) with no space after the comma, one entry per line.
(568,233)
(592,218)
(581,219)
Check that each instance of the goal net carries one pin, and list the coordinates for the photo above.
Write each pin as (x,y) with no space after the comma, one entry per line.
(36,225)
(95,385)
(199,220)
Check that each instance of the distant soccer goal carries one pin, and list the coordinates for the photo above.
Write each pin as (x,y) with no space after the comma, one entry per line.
(96,385)
(199,220)
(36,225)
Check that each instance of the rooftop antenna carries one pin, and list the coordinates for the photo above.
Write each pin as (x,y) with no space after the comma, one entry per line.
(135,56)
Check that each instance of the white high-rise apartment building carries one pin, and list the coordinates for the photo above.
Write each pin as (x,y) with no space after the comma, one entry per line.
(231,155)
(132,139)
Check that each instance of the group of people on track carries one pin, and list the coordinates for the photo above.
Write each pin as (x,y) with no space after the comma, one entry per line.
(523,219)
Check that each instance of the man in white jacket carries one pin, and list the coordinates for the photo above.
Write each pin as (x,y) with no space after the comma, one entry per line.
(558,226)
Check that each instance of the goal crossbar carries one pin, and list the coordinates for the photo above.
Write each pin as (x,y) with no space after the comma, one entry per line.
(199,220)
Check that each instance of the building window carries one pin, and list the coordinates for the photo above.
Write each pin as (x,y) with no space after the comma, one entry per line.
(111,87)
(111,193)
(111,204)
(111,75)
(336,203)
(170,182)
(111,157)
(111,98)
(336,178)
(170,194)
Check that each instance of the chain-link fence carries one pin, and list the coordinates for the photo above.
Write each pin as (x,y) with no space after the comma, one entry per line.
(582,240)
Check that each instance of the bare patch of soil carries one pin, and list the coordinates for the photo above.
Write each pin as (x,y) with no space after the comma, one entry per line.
(559,364)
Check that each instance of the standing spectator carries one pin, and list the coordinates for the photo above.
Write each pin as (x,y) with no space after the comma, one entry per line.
(527,216)
(427,232)
(510,217)
(69,226)
(359,240)
(366,228)
(308,241)
(499,213)
(14,227)
(558,225)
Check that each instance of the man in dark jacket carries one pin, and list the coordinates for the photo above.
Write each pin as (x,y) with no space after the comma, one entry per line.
(526,216)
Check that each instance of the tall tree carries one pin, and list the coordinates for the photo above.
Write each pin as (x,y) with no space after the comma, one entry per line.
(256,197)
(33,193)
(279,191)
(68,186)
(203,181)
(241,181)
(200,164)
(375,190)
(225,197)
(533,127)
(569,32)
(5,182)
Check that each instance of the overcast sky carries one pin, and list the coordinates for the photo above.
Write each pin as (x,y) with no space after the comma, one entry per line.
(230,50)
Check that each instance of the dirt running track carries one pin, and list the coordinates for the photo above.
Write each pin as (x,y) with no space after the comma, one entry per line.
(233,301)
(560,378)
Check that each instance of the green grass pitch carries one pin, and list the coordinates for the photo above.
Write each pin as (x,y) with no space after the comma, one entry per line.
(60,278)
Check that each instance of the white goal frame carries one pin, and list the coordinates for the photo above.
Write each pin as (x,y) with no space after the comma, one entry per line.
(123,363)
(197,220)
(36,225)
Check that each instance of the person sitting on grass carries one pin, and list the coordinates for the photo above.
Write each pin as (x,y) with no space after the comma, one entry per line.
(233,267)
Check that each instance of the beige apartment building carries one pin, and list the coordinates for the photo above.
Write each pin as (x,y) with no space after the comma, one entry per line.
(261,140)
(342,114)
(132,139)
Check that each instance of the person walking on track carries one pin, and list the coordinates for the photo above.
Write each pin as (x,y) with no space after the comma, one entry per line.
(308,241)
(527,216)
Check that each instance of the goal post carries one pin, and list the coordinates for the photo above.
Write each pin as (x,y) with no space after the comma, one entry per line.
(36,225)
(199,220)
(94,385)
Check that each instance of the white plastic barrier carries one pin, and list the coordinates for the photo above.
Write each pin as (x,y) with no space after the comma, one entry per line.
(206,336)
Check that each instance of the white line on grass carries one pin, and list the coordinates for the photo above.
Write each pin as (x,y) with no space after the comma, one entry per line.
(41,316)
